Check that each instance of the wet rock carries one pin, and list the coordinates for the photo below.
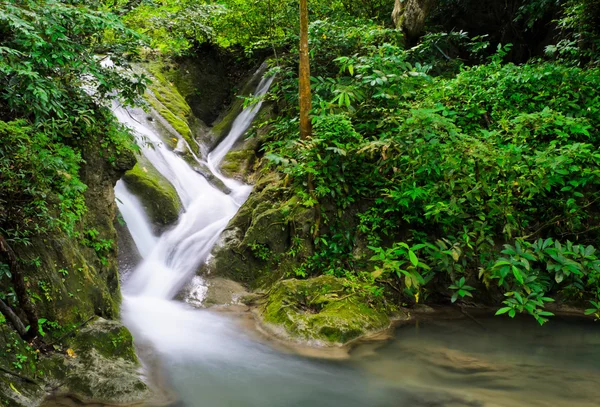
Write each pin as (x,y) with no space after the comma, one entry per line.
(210,177)
(158,196)
(222,291)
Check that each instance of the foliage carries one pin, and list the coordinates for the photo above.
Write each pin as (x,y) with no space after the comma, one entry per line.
(438,173)
(42,176)
(174,27)
(52,85)
(57,94)
(580,39)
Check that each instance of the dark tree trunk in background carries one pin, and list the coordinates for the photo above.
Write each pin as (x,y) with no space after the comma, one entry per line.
(20,287)
(410,15)
(304,79)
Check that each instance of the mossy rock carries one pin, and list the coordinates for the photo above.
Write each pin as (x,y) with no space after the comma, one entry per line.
(239,163)
(166,100)
(71,280)
(103,367)
(158,196)
(259,224)
(320,310)
(109,338)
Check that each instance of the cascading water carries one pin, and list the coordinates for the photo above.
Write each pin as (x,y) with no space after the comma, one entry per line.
(182,335)
(131,209)
(238,128)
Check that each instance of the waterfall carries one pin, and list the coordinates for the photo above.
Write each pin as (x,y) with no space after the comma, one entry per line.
(137,222)
(209,360)
(171,261)
(238,128)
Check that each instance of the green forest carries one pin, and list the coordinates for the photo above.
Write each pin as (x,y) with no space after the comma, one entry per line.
(416,152)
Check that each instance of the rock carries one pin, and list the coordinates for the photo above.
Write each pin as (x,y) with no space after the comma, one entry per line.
(319,311)
(238,164)
(165,98)
(222,291)
(158,196)
(104,367)
(201,169)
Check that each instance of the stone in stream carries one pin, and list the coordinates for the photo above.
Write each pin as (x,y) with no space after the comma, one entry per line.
(157,194)
(320,310)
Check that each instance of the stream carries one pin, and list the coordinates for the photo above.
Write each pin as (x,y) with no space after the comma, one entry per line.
(208,360)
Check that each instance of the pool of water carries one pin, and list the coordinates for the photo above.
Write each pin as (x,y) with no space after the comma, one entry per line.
(491,362)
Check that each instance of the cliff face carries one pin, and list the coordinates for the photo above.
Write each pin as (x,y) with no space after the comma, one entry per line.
(73,278)
(73,282)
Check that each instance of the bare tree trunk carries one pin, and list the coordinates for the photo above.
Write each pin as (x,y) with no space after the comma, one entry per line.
(18,281)
(13,319)
(304,80)
(306,99)
(410,16)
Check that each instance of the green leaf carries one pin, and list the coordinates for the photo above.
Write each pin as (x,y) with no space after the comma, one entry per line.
(517,274)
(503,310)
(413,258)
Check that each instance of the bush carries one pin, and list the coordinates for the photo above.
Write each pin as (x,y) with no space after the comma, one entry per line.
(438,174)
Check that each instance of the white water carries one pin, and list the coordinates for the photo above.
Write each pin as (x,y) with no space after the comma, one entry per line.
(132,210)
(238,128)
(171,260)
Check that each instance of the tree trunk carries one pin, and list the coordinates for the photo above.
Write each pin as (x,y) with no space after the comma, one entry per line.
(18,281)
(13,319)
(304,79)
(410,16)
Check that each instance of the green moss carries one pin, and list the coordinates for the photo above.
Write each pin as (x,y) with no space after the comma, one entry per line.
(158,196)
(109,338)
(222,126)
(321,309)
(238,163)
(164,97)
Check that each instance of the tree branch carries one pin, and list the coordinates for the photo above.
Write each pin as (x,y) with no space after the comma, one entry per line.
(13,319)
(18,281)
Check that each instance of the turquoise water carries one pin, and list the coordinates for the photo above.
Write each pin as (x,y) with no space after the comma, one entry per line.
(494,362)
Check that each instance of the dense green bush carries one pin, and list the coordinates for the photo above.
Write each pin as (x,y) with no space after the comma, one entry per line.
(442,172)
(53,104)
(39,180)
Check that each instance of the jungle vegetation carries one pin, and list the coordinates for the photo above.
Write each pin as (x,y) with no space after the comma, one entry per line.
(462,150)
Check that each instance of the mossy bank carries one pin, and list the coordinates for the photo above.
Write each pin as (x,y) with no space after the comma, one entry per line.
(74,284)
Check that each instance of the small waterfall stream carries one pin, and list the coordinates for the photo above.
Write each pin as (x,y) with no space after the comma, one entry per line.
(204,352)
(170,260)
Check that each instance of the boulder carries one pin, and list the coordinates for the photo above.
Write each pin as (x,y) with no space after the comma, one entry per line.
(157,194)
(320,311)
(101,366)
